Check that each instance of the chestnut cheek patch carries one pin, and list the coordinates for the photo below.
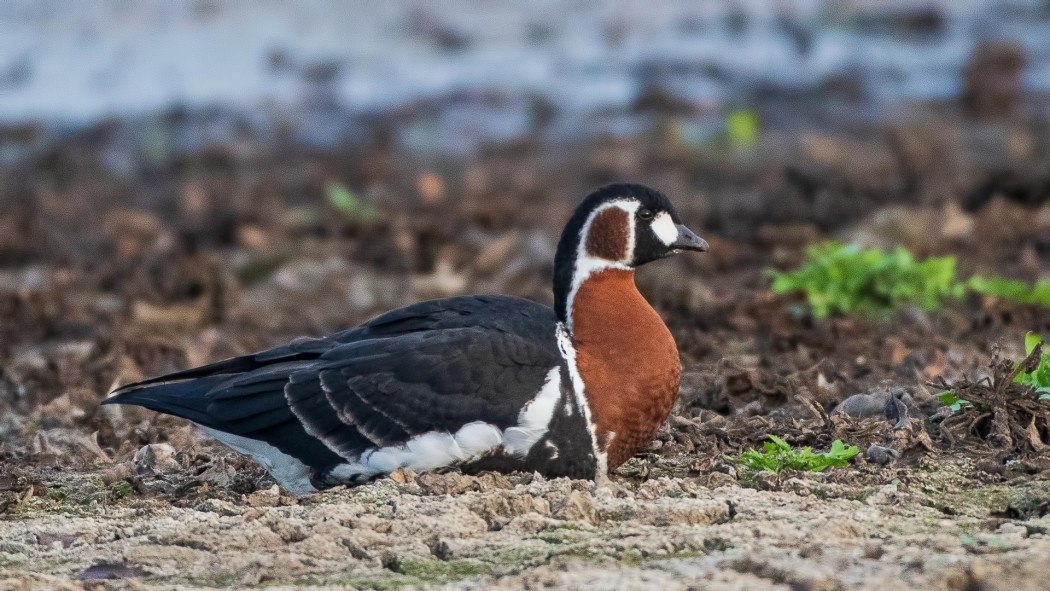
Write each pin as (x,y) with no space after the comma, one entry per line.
(608,234)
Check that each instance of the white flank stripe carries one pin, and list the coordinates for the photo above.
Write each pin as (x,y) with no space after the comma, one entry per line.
(432,450)
(436,449)
(568,352)
(665,228)
(477,438)
(535,418)
(289,472)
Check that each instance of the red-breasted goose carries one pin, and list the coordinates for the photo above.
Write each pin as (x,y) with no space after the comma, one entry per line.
(482,382)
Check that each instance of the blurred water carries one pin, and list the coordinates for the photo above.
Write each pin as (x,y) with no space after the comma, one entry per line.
(457,72)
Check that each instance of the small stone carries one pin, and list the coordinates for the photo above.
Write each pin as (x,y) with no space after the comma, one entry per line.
(490,481)
(436,483)
(688,512)
(885,495)
(290,531)
(811,551)
(873,551)
(265,498)
(886,402)
(440,549)
(220,474)
(355,550)
(217,506)
(635,468)
(253,514)
(724,468)
(402,475)
(720,479)
(156,458)
(862,406)
(880,455)
(577,506)
(1010,528)
(498,509)
(798,486)
(122,471)
(527,524)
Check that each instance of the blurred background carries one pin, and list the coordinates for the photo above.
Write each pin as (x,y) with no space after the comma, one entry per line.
(186,181)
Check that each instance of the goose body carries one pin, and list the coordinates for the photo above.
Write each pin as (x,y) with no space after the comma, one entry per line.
(481,382)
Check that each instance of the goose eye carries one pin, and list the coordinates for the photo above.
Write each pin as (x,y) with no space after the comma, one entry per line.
(645,214)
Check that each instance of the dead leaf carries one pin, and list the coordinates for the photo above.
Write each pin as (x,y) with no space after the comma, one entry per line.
(498,252)
(958,225)
(937,367)
(193,314)
(898,351)
(90,443)
(431,187)
(1033,437)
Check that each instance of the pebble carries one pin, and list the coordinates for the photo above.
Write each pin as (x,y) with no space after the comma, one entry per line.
(156,458)
(880,455)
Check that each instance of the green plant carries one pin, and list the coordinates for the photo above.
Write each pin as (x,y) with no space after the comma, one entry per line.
(839,279)
(349,204)
(1011,289)
(742,127)
(949,399)
(778,455)
(121,489)
(1033,371)
(1038,378)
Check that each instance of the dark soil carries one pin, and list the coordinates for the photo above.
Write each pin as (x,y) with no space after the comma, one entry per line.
(108,277)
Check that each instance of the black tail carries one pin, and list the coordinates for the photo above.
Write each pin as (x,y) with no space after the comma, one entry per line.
(225,368)
(242,396)
(184,398)
(190,392)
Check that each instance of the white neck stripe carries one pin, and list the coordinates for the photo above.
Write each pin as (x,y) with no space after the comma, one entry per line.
(568,353)
(587,265)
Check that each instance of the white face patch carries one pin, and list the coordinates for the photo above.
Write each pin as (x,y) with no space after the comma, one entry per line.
(665,228)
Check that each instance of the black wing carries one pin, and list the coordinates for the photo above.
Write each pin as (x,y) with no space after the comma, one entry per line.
(433,366)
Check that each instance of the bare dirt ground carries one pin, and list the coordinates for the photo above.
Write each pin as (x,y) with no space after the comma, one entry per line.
(107,277)
(492,532)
